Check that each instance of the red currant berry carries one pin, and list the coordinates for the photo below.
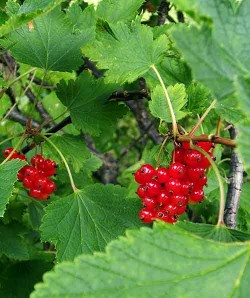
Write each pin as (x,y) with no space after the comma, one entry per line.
(201,181)
(177,170)
(145,173)
(173,186)
(185,145)
(169,218)
(28,183)
(31,172)
(186,187)
(149,203)
(181,209)
(50,187)
(193,158)
(8,151)
(170,210)
(205,162)
(146,215)
(37,161)
(195,173)
(196,196)
(206,146)
(178,155)
(179,200)
(163,198)
(162,175)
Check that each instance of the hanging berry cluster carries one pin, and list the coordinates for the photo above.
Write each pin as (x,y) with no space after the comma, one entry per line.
(36,176)
(166,192)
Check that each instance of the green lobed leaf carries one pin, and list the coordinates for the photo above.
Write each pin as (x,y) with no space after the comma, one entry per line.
(72,147)
(88,220)
(220,52)
(172,71)
(159,107)
(8,177)
(243,142)
(115,11)
(51,44)
(242,86)
(153,262)
(127,52)
(87,99)
(218,233)
(25,13)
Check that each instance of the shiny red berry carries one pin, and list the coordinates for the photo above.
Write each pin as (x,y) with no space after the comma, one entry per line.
(196,196)
(144,174)
(177,170)
(162,175)
(178,154)
(146,215)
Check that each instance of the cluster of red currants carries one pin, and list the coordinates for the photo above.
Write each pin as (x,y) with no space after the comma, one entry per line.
(166,192)
(35,177)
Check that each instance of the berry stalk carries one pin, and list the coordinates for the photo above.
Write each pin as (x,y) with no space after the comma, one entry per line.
(64,160)
(174,124)
(192,132)
(221,186)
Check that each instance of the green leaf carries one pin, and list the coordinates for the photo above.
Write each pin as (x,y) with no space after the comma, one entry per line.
(51,45)
(27,12)
(218,233)
(82,21)
(86,221)
(115,11)
(18,279)
(242,86)
(164,260)
(159,107)
(72,147)
(198,98)
(126,51)
(86,99)
(243,142)
(8,177)
(220,52)
(172,71)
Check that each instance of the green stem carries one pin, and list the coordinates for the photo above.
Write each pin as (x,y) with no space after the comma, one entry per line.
(174,124)
(12,152)
(21,76)
(202,118)
(160,153)
(10,138)
(64,160)
(221,186)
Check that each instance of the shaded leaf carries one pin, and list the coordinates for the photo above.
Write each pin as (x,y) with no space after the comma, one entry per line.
(86,99)
(218,233)
(86,221)
(72,147)
(18,279)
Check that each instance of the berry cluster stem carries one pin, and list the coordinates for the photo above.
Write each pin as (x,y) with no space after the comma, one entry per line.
(160,152)
(174,124)
(221,186)
(64,160)
(192,132)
